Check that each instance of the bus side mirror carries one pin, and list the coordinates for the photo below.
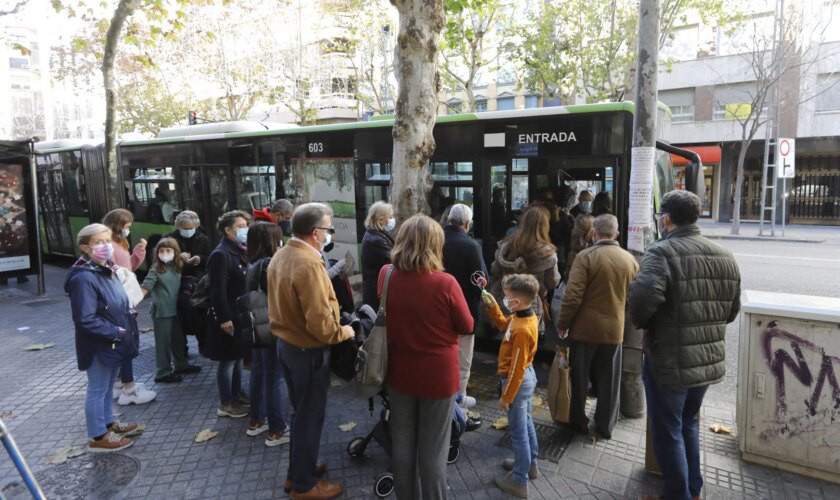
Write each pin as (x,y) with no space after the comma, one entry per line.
(694,180)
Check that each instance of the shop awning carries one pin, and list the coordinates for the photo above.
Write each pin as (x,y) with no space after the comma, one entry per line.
(708,155)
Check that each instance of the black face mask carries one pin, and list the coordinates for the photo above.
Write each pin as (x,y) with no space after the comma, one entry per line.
(329,247)
(286,226)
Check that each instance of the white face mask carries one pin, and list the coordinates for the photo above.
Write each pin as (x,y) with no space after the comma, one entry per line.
(166,257)
(126,232)
(327,239)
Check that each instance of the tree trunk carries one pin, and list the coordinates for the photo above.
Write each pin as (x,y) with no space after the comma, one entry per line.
(123,11)
(421,22)
(739,185)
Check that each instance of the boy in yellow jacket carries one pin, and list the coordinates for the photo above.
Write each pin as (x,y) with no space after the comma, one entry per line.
(516,358)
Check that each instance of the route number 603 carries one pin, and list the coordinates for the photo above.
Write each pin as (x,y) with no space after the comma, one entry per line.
(316,147)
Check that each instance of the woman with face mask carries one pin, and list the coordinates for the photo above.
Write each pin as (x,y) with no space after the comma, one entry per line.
(195,249)
(164,281)
(376,248)
(119,221)
(106,335)
(226,269)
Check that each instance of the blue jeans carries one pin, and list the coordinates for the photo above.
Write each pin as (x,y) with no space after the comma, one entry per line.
(307,374)
(266,388)
(229,380)
(523,436)
(676,439)
(100,389)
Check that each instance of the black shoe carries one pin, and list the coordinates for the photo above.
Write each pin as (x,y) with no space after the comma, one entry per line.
(189,369)
(172,378)
(473,424)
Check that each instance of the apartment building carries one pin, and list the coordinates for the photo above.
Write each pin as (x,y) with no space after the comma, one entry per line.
(710,82)
(24,81)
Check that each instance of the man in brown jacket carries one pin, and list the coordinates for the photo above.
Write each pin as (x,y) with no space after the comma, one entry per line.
(592,314)
(304,315)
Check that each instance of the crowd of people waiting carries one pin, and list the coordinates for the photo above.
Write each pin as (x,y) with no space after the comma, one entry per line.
(433,308)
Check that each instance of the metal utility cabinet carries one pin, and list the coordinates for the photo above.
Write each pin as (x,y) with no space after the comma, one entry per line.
(788,407)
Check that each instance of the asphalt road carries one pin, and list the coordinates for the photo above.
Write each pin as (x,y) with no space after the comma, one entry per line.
(796,268)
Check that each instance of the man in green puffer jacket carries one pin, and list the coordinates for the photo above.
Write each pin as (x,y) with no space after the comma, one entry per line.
(687,290)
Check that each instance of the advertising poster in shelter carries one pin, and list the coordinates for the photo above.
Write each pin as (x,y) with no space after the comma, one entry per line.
(18,209)
(14,227)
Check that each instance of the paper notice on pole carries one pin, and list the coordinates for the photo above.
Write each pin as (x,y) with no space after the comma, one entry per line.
(642,164)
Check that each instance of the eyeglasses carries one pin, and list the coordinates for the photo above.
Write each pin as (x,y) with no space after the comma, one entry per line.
(330,230)
(659,215)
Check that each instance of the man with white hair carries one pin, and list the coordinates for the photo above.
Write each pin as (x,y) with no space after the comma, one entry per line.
(461,258)
(592,314)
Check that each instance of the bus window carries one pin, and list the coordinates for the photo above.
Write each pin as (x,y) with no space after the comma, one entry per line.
(74,184)
(378,172)
(254,187)
(154,195)
(190,190)
(451,171)
(518,192)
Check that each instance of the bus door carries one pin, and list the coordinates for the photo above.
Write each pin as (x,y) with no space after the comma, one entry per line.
(563,179)
(54,210)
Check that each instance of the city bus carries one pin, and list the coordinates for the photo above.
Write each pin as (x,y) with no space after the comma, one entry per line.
(497,162)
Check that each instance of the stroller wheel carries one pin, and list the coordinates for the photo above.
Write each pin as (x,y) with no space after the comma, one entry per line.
(384,485)
(454,453)
(356,448)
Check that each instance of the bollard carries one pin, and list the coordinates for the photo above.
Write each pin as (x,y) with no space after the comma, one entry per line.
(632,403)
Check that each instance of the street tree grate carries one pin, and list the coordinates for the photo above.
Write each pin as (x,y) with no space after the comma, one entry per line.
(89,476)
(553,442)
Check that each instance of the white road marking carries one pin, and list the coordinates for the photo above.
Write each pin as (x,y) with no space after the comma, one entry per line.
(785,257)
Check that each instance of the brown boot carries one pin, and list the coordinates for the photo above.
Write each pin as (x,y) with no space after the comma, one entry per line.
(320,470)
(321,491)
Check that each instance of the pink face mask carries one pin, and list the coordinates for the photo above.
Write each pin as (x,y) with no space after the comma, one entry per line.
(103,251)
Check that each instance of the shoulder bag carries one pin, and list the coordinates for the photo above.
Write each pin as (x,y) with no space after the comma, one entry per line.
(200,297)
(252,310)
(372,358)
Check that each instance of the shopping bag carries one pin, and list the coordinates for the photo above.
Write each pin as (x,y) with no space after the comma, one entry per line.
(372,357)
(557,301)
(131,286)
(559,389)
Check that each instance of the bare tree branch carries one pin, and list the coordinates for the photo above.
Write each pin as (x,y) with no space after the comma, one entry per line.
(14,9)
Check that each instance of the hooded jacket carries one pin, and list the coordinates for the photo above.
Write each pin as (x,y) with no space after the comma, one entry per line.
(104,321)
(542,264)
(376,252)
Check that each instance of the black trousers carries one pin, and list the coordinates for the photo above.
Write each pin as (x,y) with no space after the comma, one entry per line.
(603,363)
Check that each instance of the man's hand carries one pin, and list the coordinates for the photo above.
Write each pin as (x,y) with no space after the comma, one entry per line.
(563,333)
(348,332)
(504,405)
(227,327)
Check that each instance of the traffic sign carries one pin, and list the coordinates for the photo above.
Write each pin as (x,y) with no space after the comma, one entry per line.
(786,158)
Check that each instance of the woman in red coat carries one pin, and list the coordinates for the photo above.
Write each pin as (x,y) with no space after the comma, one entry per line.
(426,312)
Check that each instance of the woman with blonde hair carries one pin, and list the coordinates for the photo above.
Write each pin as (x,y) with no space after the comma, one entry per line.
(119,222)
(376,248)
(528,251)
(106,335)
(426,312)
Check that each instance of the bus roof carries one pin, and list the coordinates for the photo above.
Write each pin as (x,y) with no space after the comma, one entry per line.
(60,145)
(189,132)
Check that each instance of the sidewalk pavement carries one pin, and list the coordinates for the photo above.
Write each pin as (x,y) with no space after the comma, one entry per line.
(792,234)
(42,397)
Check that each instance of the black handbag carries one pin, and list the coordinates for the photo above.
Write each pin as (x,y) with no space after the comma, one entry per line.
(252,321)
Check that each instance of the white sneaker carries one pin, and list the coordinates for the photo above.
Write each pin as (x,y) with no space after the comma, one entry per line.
(468,402)
(139,396)
(256,428)
(118,387)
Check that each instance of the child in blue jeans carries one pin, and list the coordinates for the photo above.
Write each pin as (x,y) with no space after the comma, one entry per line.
(516,358)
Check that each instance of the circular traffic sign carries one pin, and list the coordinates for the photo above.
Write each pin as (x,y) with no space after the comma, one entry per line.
(784,147)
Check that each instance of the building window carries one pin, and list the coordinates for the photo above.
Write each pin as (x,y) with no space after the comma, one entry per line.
(682,113)
(735,111)
(828,98)
(481,105)
(453,107)
(531,101)
(19,62)
(505,102)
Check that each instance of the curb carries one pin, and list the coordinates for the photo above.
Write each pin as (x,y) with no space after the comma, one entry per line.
(761,238)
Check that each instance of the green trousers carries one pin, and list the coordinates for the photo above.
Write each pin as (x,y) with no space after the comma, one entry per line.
(169,345)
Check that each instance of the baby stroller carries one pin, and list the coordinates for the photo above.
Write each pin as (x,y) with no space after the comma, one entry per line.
(381,433)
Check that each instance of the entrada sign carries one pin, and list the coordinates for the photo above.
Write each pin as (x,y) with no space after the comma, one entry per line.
(547,138)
